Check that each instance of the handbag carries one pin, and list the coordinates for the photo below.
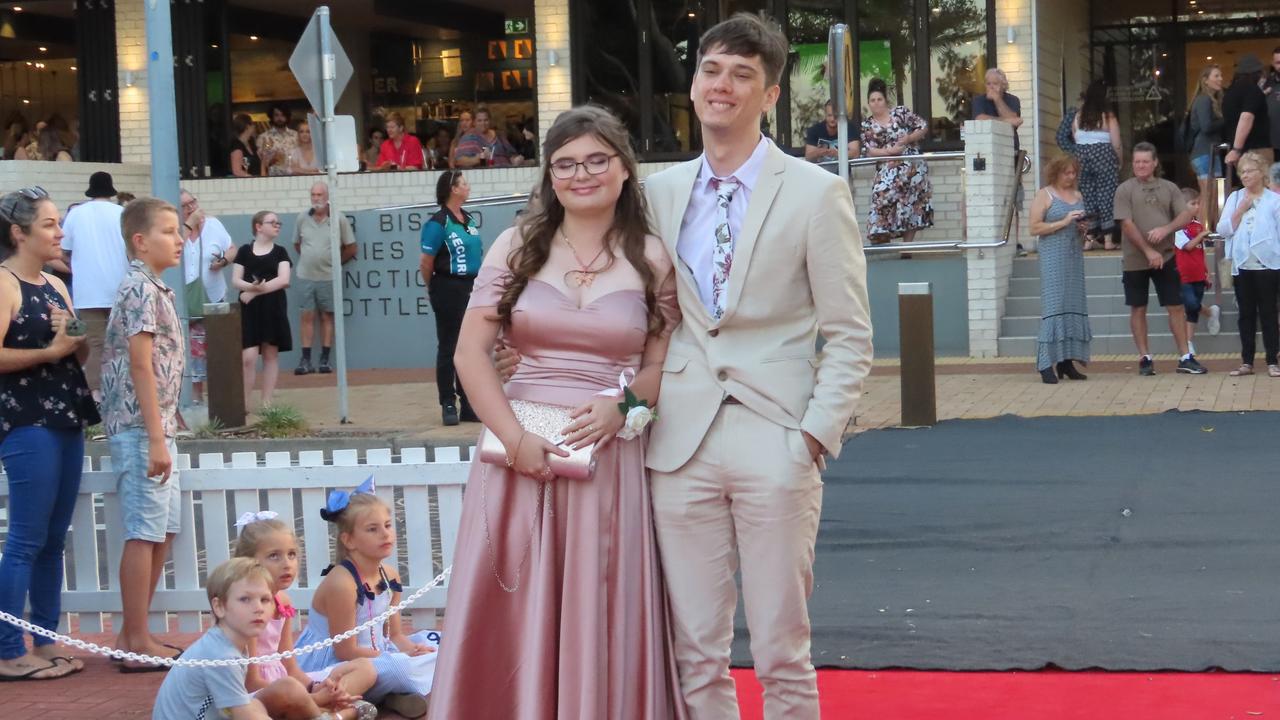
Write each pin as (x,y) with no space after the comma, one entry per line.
(546,421)
(194,296)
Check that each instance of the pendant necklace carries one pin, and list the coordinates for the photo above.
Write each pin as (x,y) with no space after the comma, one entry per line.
(584,276)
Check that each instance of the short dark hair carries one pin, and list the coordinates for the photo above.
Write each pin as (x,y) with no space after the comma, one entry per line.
(444,186)
(481,109)
(749,35)
(271,113)
(139,217)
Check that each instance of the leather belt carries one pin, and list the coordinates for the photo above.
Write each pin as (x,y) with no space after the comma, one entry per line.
(730,400)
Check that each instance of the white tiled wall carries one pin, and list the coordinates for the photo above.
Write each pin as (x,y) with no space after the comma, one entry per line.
(66,182)
(988,270)
(131,52)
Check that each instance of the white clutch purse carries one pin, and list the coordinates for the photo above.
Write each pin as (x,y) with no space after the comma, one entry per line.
(547,421)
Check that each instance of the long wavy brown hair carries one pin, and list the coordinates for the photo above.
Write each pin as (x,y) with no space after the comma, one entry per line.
(540,222)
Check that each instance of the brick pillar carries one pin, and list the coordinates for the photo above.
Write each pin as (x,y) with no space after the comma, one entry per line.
(555,92)
(131,49)
(986,202)
(1015,60)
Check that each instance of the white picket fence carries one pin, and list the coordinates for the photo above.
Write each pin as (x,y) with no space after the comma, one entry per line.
(221,491)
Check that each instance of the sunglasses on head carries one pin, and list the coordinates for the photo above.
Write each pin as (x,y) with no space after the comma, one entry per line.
(35,192)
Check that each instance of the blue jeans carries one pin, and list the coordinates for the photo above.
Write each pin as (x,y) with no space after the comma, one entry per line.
(43,466)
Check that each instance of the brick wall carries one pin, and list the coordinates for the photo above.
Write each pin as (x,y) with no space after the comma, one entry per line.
(551,27)
(1015,60)
(66,182)
(948,199)
(131,52)
(988,270)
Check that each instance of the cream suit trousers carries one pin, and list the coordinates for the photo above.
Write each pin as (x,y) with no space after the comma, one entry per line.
(750,497)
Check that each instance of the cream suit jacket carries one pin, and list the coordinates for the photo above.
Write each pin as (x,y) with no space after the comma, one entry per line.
(798,269)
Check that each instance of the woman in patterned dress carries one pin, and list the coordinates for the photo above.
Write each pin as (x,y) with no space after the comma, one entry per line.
(1057,217)
(1096,133)
(901,200)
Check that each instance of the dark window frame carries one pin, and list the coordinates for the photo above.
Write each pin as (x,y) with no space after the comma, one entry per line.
(921,85)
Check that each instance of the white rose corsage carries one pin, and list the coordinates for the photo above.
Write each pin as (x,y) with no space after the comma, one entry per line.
(638,415)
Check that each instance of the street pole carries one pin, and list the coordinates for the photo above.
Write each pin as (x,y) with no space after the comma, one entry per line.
(162,106)
(327,63)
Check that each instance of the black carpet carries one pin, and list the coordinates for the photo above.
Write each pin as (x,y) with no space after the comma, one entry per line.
(1123,543)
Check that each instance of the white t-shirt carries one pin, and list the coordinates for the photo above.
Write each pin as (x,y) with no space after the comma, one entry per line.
(216,242)
(98,259)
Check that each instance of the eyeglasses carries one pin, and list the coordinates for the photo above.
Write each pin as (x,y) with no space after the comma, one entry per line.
(594,165)
(272,222)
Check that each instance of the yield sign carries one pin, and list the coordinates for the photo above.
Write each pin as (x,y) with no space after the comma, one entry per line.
(308,64)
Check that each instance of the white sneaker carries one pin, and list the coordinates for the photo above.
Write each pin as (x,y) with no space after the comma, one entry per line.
(1215,320)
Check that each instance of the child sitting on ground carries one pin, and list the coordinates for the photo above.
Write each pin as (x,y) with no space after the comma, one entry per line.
(271,543)
(1189,254)
(241,600)
(360,586)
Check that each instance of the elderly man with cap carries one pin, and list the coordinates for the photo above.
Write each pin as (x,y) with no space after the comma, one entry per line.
(93,247)
(1245,122)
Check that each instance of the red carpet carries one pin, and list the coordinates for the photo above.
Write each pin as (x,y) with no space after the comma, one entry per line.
(910,695)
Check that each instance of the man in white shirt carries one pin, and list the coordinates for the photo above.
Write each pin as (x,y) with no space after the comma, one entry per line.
(207,252)
(93,247)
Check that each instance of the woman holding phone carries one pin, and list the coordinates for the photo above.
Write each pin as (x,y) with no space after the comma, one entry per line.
(1058,217)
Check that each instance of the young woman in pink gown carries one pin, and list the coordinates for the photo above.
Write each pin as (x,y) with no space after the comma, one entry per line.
(556,607)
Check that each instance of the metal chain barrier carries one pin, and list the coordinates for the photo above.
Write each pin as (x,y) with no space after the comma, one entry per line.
(181,662)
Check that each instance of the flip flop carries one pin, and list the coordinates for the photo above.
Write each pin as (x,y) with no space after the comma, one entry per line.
(30,676)
(67,660)
(180,650)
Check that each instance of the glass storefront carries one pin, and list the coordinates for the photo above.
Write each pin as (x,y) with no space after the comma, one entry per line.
(642,69)
(1151,52)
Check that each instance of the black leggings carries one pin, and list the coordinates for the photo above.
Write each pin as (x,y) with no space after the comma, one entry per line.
(1257,292)
(449,295)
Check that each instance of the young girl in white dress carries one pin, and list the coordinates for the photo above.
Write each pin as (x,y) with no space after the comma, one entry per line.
(360,586)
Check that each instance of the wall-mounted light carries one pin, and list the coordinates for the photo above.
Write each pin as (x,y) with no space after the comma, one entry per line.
(44,49)
(553,58)
(253,38)
(128,78)
(1011,35)
(17,9)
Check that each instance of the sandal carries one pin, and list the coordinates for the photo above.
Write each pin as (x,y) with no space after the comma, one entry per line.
(1273,370)
(1243,370)
(30,675)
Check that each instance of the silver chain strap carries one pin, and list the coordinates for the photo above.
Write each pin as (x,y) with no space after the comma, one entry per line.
(546,497)
(183,662)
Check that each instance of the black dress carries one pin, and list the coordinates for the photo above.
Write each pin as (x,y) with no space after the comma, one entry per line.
(249,160)
(265,320)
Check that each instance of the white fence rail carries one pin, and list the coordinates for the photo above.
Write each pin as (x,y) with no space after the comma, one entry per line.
(426,498)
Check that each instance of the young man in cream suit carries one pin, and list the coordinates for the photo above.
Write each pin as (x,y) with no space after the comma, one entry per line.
(768,254)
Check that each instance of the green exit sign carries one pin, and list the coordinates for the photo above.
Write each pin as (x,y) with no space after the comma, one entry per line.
(517,26)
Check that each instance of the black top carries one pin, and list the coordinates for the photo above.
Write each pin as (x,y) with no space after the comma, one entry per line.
(55,394)
(250,162)
(1245,97)
(262,267)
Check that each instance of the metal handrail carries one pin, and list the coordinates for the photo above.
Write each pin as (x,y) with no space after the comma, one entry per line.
(932,157)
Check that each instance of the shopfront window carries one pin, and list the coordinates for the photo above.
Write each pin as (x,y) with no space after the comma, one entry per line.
(43,89)
(433,69)
(932,54)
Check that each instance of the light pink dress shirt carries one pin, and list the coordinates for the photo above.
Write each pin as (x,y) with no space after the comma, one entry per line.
(698,229)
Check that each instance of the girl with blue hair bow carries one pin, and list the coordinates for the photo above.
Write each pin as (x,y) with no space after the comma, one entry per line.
(359,586)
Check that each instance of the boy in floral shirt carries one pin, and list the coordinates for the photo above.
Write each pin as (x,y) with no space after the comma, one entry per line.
(142,364)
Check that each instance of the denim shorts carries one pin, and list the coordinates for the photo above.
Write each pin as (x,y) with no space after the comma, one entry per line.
(1201,166)
(1193,300)
(151,509)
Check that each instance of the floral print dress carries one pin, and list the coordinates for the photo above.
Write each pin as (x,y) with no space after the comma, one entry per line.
(901,199)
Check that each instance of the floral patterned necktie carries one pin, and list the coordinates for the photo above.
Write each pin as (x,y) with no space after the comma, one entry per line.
(722,254)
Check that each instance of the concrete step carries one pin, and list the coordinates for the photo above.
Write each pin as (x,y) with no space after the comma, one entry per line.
(1113,324)
(1093,285)
(1102,305)
(1122,344)
(1107,264)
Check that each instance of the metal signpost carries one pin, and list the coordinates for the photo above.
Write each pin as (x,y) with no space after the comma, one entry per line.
(840,73)
(323,70)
